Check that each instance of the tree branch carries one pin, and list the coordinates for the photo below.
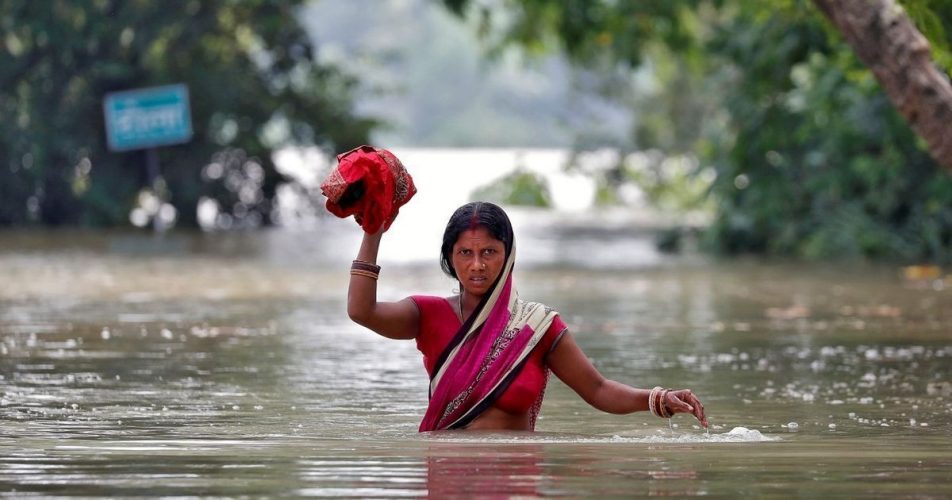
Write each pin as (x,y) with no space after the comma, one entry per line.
(886,40)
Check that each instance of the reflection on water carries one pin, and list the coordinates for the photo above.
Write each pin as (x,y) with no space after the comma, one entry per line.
(226,365)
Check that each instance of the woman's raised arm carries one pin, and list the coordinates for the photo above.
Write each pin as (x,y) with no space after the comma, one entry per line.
(395,320)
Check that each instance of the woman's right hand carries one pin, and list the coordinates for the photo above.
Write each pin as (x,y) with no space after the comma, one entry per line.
(684,401)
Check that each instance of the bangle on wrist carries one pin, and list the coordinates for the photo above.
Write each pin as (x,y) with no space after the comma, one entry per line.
(663,410)
(370,267)
(653,401)
(365,269)
(657,402)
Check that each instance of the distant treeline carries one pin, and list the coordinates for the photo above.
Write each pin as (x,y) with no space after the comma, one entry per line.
(809,156)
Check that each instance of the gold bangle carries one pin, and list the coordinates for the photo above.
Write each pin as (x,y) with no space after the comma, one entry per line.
(365,266)
(652,402)
(360,272)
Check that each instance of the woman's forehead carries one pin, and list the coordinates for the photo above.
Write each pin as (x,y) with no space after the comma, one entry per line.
(477,236)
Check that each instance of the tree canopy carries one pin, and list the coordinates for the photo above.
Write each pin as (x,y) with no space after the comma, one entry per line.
(810,156)
(254,86)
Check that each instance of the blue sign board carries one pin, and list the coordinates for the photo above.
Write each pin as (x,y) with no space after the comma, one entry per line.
(148,117)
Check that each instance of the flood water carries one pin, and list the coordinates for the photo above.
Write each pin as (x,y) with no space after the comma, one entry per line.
(225,365)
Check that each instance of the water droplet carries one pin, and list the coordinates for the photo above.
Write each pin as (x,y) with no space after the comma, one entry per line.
(793,425)
(166,334)
(105,334)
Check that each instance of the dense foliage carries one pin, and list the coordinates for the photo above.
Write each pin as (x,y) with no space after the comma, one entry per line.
(810,157)
(934,19)
(254,86)
(814,160)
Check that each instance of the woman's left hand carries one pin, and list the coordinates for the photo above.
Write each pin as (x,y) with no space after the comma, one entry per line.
(684,401)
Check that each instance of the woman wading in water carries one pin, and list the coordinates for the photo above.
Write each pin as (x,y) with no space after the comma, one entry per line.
(489,353)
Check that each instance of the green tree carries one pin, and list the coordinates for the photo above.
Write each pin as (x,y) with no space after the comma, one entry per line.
(521,187)
(814,161)
(884,37)
(880,31)
(254,86)
(811,158)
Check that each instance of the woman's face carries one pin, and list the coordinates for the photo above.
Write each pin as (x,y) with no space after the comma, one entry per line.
(478,258)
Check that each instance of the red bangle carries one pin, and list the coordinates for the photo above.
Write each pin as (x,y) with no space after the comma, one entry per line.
(365,266)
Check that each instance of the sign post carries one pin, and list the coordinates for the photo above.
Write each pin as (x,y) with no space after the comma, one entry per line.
(147,118)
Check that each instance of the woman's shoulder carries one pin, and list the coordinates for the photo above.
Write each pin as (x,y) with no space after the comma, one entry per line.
(430,301)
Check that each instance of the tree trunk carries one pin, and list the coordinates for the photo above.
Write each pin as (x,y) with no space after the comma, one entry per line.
(887,41)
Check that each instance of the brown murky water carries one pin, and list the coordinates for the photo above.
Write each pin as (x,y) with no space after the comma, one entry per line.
(225,365)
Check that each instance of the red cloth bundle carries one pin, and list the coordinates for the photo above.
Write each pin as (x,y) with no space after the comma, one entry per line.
(369,183)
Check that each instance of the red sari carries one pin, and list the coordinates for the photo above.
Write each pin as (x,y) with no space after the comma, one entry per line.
(503,340)
(438,324)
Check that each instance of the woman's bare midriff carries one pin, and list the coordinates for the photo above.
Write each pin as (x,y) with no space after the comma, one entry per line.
(495,419)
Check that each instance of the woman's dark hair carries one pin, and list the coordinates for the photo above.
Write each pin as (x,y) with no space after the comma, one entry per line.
(470,216)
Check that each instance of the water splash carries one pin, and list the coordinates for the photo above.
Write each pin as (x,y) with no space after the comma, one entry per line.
(735,435)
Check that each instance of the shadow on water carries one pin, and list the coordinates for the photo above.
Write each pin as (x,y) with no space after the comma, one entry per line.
(224,364)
